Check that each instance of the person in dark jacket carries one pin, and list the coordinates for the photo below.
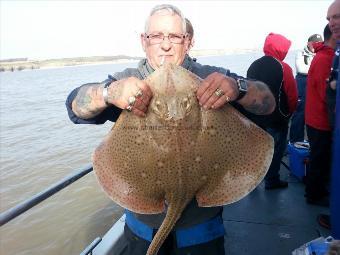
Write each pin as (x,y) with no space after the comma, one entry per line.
(319,130)
(165,40)
(278,75)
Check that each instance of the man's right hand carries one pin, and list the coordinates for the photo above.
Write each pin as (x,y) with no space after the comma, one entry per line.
(131,94)
(332,84)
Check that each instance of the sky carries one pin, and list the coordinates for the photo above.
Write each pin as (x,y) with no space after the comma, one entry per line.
(59,29)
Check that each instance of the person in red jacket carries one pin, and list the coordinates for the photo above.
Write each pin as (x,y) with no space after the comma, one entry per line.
(319,131)
(278,75)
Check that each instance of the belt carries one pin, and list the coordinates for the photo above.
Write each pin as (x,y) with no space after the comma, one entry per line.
(197,234)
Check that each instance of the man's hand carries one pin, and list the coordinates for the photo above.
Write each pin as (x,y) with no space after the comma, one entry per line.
(131,94)
(216,90)
(332,84)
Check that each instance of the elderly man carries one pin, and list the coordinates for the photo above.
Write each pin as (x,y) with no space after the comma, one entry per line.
(165,39)
(333,17)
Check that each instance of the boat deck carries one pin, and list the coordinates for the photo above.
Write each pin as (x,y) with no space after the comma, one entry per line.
(272,221)
(266,222)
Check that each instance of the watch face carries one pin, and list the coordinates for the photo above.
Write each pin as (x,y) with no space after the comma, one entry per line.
(242,85)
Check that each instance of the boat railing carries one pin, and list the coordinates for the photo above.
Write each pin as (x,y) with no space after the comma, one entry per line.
(22,207)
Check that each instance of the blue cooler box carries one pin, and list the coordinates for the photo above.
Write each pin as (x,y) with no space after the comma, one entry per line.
(298,160)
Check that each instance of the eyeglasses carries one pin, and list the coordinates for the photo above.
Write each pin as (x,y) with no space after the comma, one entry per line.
(159,38)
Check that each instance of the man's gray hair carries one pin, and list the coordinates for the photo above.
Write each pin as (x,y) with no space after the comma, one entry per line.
(171,9)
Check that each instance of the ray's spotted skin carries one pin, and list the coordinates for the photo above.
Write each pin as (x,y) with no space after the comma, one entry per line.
(179,152)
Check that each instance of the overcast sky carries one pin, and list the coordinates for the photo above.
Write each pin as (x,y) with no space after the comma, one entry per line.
(56,29)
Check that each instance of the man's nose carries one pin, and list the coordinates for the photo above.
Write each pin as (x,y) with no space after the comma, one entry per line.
(166,44)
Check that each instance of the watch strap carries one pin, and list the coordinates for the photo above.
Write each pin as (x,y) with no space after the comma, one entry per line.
(242,88)
(106,93)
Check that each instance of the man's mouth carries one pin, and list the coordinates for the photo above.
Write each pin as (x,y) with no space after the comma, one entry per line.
(164,58)
(335,30)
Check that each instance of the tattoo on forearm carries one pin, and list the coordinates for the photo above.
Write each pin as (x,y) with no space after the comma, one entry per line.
(261,86)
(84,103)
(263,103)
(254,107)
(260,108)
(267,104)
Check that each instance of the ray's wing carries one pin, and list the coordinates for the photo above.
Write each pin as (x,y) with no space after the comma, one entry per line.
(236,154)
(125,165)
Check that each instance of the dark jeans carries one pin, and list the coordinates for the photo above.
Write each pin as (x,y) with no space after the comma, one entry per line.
(280,143)
(139,246)
(320,162)
(297,125)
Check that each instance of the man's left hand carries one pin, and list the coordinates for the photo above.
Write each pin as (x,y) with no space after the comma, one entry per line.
(216,90)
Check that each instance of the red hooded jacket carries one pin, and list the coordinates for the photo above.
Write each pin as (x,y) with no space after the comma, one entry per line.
(277,46)
(316,114)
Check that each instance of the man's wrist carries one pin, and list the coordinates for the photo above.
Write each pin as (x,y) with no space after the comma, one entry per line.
(106,92)
(242,86)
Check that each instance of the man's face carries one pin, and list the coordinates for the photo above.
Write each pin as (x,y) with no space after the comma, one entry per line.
(333,17)
(165,23)
(310,46)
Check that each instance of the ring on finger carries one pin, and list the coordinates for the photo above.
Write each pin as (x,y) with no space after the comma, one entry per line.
(129,108)
(219,92)
(139,93)
(131,100)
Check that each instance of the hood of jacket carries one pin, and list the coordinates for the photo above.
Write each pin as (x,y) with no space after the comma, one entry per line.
(320,46)
(277,46)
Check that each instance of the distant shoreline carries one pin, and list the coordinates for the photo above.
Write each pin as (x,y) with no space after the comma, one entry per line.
(25,64)
(11,65)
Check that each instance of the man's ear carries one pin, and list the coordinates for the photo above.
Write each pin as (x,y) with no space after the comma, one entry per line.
(143,41)
(191,44)
(187,45)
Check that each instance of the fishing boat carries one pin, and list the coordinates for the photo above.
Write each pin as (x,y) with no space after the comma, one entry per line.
(264,222)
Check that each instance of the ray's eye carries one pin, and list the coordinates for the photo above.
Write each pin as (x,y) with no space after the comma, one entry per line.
(159,108)
(159,105)
(185,104)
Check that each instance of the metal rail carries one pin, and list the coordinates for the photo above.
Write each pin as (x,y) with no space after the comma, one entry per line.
(36,199)
(89,249)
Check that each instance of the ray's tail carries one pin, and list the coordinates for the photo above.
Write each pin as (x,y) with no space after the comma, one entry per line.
(173,213)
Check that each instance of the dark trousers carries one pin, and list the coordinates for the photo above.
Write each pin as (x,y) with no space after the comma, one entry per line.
(320,162)
(280,143)
(297,125)
(138,246)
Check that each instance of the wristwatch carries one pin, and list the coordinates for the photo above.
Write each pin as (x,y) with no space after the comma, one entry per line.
(242,88)
(105,92)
